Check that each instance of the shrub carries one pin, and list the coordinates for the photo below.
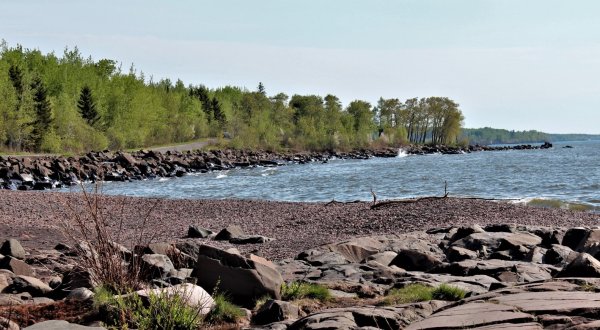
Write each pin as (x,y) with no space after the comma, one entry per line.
(224,311)
(299,290)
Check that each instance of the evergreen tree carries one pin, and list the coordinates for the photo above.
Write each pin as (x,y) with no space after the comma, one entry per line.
(87,106)
(43,113)
(16,77)
(217,111)
(261,89)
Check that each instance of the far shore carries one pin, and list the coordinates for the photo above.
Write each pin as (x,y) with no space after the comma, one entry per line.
(36,219)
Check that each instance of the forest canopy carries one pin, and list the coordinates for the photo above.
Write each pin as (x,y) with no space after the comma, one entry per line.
(71,103)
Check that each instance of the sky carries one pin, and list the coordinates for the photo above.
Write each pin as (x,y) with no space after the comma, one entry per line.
(510,64)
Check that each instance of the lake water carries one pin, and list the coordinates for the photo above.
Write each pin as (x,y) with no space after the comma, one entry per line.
(558,177)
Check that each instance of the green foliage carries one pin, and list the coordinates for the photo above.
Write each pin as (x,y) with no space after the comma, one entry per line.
(448,293)
(224,311)
(418,292)
(300,290)
(69,103)
(487,135)
(160,311)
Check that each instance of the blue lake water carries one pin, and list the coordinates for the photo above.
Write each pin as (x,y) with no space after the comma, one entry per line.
(556,177)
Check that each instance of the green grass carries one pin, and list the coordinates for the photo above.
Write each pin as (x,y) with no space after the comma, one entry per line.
(161,311)
(448,293)
(300,290)
(224,311)
(413,293)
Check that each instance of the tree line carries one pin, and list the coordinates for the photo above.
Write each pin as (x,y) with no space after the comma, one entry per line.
(487,135)
(70,103)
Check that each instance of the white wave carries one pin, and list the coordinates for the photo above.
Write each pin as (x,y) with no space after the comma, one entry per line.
(221,176)
(402,153)
(163,179)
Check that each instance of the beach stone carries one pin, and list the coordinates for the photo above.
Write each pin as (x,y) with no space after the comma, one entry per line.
(245,280)
(193,295)
(477,283)
(275,311)
(472,315)
(233,231)
(501,227)
(320,258)
(583,266)
(156,265)
(18,267)
(198,232)
(548,235)
(13,248)
(503,270)
(5,280)
(77,277)
(497,241)
(28,284)
(415,261)
(60,325)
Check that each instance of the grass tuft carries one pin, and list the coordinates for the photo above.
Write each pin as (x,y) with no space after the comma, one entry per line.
(300,290)
(224,311)
(413,293)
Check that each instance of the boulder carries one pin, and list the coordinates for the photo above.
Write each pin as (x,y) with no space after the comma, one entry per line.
(198,232)
(275,311)
(574,236)
(358,249)
(559,255)
(456,253)
(13,248)
(16,266)
(583,266)
(193,295)
(28,284)
(80,294)
(245,280)
(233,231)
(156,265)
(7,324)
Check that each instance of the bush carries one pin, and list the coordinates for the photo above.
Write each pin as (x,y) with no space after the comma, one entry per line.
(299,290)
(224,311)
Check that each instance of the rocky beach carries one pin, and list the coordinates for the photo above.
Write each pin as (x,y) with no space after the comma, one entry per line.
(516,266)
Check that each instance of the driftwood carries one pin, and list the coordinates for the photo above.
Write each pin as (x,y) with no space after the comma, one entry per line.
(333,201)
(406,201)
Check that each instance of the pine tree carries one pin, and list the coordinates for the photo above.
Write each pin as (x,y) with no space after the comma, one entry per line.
(16,77)
(217,112)
(261,89)
(87,107)
(43,113)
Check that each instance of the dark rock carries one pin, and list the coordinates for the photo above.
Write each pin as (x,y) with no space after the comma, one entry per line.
(574,236)
(455,253)
(275,311)
(156,266)
(415,261)
(249,239)
(245,280)
(28,284)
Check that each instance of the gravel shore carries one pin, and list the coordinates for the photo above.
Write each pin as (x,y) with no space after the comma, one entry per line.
(35,219)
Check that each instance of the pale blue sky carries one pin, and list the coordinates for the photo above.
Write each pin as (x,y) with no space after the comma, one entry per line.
(512,64)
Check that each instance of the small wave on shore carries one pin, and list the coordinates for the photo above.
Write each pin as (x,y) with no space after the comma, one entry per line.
(550,203)
(402,153)
(221,175)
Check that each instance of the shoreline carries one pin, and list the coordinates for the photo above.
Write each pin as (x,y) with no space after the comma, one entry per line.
(35,219)
(49,172)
